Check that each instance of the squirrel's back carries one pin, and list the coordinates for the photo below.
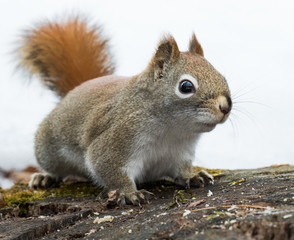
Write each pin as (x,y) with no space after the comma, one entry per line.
(65,54)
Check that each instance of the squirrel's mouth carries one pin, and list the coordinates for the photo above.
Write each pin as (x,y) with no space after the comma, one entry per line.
(207,127)
(211,125)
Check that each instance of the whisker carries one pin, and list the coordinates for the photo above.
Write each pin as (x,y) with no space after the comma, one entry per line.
(251,102)
(249,88)
(234,127)
(235,96)
(241,89)
(248,115)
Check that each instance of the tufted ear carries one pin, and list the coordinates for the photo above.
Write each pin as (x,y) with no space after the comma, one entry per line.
(167,53)
(195,47)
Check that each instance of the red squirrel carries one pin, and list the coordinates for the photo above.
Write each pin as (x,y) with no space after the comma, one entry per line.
(121,131)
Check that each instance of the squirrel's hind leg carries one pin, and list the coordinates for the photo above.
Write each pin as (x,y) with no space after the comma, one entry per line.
(201,179)
(188,179)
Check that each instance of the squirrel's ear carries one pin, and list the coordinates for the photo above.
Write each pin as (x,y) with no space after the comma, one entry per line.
(195,47)
(167,52)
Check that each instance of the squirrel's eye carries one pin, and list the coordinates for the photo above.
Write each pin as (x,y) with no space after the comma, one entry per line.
(186,87)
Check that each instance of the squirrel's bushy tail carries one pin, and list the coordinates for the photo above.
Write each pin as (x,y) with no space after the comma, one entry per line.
(65,54)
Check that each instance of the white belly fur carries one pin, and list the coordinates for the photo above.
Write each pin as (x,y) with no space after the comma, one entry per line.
(154,158)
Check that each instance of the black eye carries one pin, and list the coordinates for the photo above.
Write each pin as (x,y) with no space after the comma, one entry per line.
(186,87)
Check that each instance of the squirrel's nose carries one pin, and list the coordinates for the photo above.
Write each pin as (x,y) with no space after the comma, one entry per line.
(224,104)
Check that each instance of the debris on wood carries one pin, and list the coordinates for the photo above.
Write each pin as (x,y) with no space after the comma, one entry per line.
(104,219)
(262,207)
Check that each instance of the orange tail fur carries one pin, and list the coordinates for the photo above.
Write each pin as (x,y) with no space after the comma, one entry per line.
(65,54)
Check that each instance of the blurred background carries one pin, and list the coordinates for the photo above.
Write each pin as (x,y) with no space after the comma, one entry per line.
(251,43)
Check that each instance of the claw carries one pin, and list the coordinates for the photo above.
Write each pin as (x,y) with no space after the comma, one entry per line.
(135,198)
(197,181)
(141,196)
(121,201)
(147,195)
(208,179)
(201,179)
(42,180)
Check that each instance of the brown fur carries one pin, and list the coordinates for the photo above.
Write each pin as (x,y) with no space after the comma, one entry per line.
(65,54)
(195,46)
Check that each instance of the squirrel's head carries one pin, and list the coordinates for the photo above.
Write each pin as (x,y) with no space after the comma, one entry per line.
(187,88)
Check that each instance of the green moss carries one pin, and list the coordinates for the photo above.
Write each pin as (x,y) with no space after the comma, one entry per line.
(19,195)
(215,215)
(179,198)
(213,172)
(76,190)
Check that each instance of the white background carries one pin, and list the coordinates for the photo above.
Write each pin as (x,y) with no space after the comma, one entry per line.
(250,42)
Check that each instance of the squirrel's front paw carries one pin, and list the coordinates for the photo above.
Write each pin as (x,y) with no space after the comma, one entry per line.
(201,179)
(136,197)
(42,180)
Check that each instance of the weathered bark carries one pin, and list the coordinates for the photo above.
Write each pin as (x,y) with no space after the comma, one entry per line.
(242,204)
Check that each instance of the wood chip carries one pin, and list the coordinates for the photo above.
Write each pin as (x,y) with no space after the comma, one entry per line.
(195,203)
(104,219)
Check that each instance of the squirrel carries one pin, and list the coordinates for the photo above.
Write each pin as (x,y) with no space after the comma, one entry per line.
(121,131)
